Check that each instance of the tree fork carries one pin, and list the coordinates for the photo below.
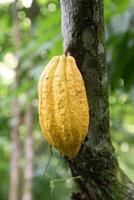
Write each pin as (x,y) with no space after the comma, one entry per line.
(84,39)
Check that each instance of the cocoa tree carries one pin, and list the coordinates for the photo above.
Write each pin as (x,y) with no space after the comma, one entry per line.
(96,164)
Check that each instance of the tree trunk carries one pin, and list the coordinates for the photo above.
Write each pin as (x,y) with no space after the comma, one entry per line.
(28,155)
(14,163)
(83,33)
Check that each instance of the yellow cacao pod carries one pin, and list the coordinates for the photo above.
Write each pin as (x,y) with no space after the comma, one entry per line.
(63,106)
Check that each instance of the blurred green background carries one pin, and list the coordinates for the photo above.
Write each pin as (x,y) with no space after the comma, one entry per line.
(38,27)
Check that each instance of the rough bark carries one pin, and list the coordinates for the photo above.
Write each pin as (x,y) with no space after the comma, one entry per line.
(83,33)
(28,155)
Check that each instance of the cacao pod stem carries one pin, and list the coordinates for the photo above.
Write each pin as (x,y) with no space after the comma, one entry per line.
(66,51)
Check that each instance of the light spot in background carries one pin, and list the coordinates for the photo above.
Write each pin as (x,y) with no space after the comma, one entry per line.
(6,1)
(123,98)
(10,60)
(27,3)
(21,14)
(6,73)
(27,22)
(68,181)
(51,7)
(124,147)
(129,128)
(7,67)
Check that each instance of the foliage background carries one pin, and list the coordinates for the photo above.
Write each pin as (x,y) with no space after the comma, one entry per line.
(40,40)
